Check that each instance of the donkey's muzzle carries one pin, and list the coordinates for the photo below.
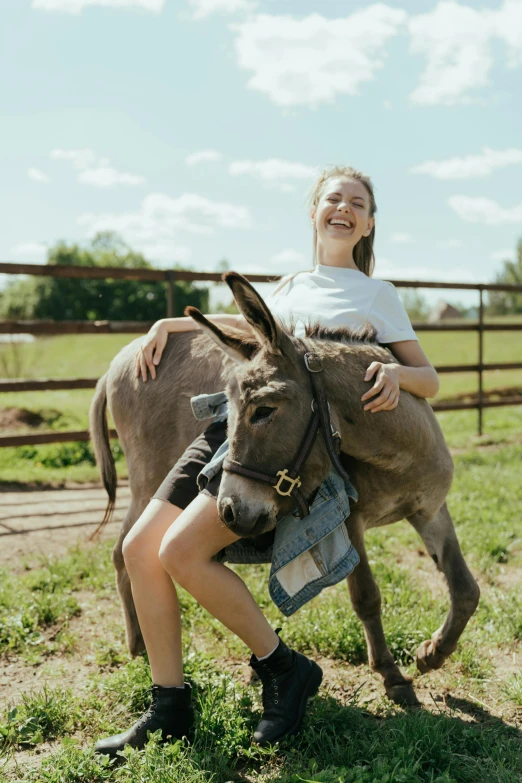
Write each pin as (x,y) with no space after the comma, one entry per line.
(241,521)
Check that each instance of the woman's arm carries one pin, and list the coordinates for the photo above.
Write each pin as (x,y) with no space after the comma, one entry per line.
(416,374)
(186,324)
(149,353)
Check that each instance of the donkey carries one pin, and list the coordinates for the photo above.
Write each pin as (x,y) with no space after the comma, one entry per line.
(397,460)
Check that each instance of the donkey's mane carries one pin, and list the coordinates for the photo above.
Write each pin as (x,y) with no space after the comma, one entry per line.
(366,334)
(343,334)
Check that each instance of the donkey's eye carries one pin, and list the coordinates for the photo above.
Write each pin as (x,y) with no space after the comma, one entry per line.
(261,414)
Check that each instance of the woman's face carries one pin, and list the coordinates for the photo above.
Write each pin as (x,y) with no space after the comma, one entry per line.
(342,214)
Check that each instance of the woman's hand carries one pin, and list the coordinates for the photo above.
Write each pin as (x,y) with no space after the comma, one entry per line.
(149,353)
(386,382)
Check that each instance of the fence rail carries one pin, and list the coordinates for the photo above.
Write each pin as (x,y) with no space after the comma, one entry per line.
(170,277)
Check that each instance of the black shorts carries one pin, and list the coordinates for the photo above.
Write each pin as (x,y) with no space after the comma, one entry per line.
(180,485)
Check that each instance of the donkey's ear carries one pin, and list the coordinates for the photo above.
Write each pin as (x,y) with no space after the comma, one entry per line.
(241,347)
(254,309)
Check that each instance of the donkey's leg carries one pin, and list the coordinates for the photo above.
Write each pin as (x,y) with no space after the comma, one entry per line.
(441,542)
(135,641)
(366,600)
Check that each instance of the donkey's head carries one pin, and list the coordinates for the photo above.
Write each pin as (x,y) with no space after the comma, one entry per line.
(270,398)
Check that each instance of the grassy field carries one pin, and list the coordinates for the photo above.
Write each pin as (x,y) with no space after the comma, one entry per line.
(89,356)
(69,679)
(61,635)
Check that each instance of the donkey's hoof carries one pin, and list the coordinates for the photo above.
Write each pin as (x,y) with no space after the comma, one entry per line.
(136,645)
(428,658)
(402,694)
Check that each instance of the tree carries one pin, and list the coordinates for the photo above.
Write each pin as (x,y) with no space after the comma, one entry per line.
(64,299)
(504,302)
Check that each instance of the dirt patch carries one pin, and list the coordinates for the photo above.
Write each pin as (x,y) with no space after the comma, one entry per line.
(16,418)
(50,522)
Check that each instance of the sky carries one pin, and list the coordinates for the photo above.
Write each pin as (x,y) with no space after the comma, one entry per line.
(196,128)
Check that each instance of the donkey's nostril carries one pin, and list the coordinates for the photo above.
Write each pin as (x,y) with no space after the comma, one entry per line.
(228,514)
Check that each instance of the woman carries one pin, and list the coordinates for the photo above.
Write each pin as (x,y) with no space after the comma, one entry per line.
(179,534)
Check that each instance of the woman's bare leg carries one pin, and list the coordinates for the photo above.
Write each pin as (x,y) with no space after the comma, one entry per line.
(186,552)
(154,594)
(194,536)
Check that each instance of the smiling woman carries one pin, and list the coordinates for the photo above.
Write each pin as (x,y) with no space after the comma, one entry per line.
(180,533)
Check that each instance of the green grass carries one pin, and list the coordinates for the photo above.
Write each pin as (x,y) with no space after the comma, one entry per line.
(356,736)
(43,598)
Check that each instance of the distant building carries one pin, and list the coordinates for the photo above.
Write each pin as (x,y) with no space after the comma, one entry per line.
(442,311)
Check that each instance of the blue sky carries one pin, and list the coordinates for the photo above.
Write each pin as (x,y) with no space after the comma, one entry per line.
(195,128)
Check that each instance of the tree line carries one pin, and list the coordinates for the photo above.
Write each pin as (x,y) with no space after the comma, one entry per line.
(67,299)
(136,300)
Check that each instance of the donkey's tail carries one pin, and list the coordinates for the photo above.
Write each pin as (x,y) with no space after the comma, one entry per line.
(100,438)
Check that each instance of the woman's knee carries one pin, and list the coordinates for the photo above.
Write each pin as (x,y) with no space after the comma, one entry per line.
(138,548)
(142,542)
(179,561)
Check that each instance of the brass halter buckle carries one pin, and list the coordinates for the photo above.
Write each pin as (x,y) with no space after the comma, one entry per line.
(283,477)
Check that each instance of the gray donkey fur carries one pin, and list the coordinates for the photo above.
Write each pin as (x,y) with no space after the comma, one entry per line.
(397,460)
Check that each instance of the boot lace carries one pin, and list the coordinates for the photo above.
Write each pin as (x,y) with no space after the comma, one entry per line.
(270,696)
(148,713)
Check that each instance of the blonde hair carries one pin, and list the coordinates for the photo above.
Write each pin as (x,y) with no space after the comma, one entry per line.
(363,254)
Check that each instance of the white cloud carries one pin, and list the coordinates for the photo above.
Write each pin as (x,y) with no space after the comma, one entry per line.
(484,210)
(401,238)
(272,171)
(106,177)
(312,60)
(457,43)
(503,255)
(77,6)
(160,218)
(507,25)
(81,159)
(205,156)
(37,175)
(204,8)
(449,244)
(32,252)
(471,165)
(164,253)
(95,170)
(288,260)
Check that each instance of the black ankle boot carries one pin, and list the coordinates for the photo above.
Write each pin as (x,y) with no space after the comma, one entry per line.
(170,710)
(289,679)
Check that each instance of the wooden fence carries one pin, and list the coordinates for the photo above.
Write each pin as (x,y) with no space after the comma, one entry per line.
(169,277)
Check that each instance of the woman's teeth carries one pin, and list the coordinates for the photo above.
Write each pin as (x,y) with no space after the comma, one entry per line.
(343,223)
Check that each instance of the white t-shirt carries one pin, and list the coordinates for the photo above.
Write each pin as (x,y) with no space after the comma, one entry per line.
(337,296)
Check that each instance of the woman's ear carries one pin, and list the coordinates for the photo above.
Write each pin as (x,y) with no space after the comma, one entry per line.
(368,230)
(312,214)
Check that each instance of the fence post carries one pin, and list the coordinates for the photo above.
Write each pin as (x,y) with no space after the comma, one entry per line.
(481,358)
(171,293)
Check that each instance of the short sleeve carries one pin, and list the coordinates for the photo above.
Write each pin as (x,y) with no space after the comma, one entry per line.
(388,315)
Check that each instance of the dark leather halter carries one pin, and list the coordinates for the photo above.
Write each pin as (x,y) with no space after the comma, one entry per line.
(320,419)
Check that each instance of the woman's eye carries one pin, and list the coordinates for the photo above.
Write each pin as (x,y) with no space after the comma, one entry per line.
(261,413)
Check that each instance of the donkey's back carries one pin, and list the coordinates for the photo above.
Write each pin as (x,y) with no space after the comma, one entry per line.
(154,420)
